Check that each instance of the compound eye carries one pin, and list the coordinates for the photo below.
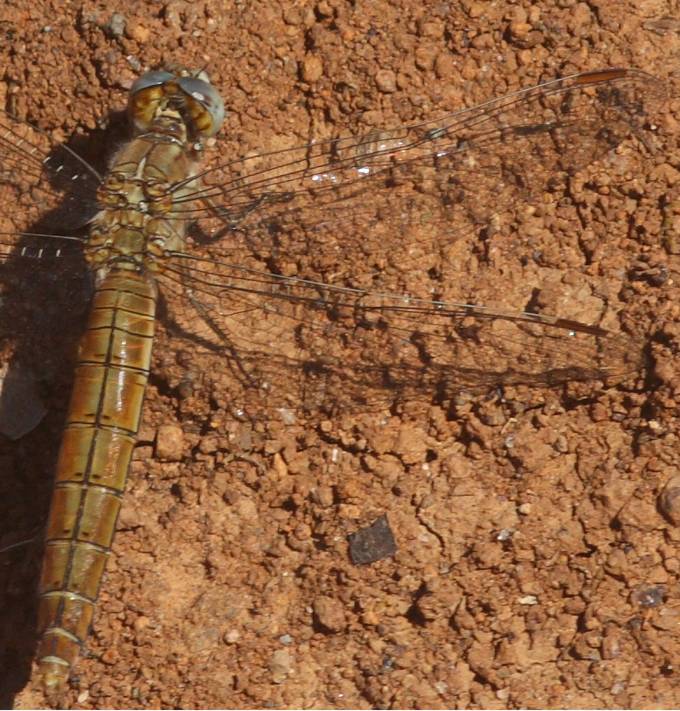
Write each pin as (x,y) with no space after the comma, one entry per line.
(155,78)
(206,96)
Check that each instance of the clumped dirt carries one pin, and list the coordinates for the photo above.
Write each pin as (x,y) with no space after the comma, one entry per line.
(536,528)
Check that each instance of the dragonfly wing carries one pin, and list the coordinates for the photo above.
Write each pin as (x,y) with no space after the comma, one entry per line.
(51,186)
(448,176)
(291,343)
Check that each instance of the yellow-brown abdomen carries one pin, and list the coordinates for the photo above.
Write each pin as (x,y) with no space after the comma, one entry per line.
(102,424)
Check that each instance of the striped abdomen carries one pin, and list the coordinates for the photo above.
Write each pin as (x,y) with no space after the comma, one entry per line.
(101,428)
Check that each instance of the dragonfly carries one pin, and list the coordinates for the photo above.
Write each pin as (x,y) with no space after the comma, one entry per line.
(253,262)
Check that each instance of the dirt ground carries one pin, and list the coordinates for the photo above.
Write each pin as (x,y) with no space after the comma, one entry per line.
(536,529)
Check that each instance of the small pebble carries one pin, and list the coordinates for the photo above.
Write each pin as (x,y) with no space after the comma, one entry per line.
(372,543)
(528,600)
(669,500)
(169,443)
(280,664)
(115,27)
(519,30)
(649,596)
(231,636)
(312,68)
(138,33)
(323,496)
(110,656)
(444,66)
(280,466)
(141,623)
(287,415)
(386,81)
(617,688)
(524,509)
(329,613)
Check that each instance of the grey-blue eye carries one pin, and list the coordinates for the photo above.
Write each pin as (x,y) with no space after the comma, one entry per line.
(207,96)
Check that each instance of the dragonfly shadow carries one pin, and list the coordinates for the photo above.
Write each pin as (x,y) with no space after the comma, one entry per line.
(40,317)
(44,293)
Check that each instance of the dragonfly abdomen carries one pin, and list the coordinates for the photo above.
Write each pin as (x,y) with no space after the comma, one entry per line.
(103,421)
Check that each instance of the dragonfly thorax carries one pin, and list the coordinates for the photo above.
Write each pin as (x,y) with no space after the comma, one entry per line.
(128,236)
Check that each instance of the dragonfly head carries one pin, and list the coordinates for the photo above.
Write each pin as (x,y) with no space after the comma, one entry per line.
(189,96)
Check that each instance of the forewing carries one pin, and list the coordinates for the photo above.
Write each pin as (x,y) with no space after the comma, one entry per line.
(450,175)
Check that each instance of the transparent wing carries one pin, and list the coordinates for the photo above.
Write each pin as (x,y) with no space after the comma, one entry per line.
(450,175)
(298,344)
(275,296)
(42,181)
